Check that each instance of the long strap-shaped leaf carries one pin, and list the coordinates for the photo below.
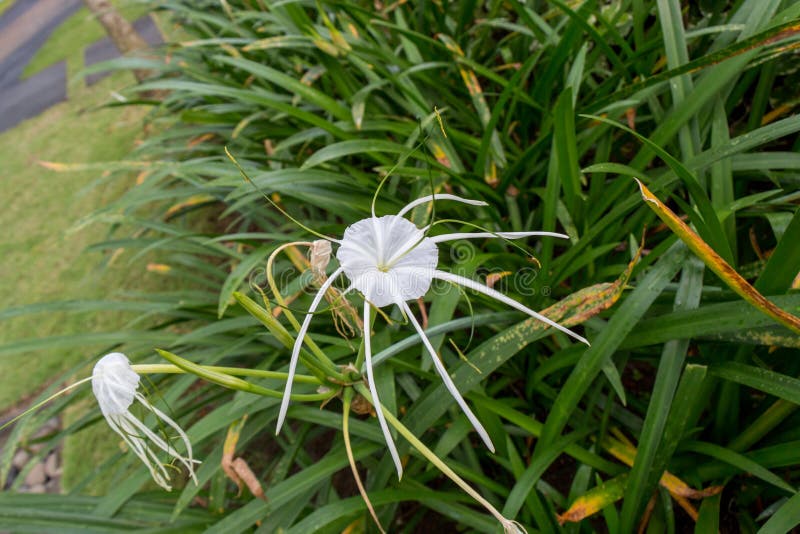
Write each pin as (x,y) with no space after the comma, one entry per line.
(715,262)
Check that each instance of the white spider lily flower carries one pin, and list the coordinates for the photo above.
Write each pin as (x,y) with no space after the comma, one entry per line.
(389,260)
(114,383)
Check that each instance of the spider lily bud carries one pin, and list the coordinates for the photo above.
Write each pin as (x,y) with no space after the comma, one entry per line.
(114,384)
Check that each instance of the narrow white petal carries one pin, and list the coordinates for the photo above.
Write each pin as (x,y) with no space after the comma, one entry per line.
(374,392)
(140,449)
(158,441)
(438,196)
(157,462)
(480,288)
(167,419)
(448,382)
(299,343)
(188,461)
(507,235)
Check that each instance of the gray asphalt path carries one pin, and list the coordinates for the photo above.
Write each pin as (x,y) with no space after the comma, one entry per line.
(24,28)
(27,98)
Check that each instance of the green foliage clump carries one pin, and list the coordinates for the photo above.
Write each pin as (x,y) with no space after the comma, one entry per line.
(547,110)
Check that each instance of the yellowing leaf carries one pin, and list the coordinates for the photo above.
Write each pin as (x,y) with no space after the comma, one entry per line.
(591,300)
(680,490)
(237,469)
(189,202)
(439,154)
(159,268)
(716,263)
(595,500)
(498,158)
(612,490)
(229,448)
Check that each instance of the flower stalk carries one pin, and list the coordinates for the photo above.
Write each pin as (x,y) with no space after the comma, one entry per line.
(322,369)
(509,526)
(168,368)
(347,399)
(232,382)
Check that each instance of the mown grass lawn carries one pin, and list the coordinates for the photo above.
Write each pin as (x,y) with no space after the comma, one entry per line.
(42,250)
(43,256)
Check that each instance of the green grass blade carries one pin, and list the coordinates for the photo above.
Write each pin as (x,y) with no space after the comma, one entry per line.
(603,347)
(740,461)
(777,384)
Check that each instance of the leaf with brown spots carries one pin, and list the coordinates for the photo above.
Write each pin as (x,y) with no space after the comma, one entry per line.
(716,263)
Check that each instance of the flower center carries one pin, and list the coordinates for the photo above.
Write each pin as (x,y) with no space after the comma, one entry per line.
(388,259)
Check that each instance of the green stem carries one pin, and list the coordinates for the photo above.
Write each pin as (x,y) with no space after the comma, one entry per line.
(508,525)
(322,369)
(232,382)
(347,398)
(321,356)
(167,368)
